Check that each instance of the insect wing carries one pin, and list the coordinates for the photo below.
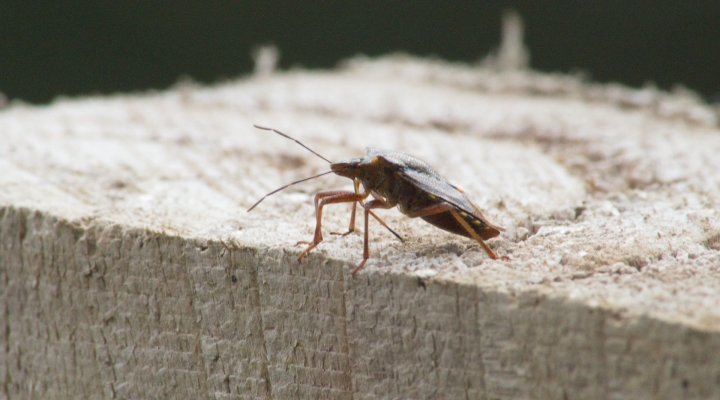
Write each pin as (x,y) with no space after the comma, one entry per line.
(424,177)
(420,174)
(446,191)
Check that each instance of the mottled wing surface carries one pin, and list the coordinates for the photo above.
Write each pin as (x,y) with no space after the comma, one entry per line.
(423,176)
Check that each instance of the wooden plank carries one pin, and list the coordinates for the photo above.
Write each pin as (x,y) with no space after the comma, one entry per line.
(130,267)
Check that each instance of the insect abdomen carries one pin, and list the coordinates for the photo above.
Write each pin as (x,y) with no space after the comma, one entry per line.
(447,222)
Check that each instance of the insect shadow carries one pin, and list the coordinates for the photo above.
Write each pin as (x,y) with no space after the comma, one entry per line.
(393,178)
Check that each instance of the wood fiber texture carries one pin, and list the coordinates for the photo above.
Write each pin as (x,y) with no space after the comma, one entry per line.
(129,267)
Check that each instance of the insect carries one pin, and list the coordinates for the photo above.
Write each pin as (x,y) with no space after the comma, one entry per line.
(394,178)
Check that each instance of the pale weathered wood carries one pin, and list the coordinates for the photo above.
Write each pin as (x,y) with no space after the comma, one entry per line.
(129,267)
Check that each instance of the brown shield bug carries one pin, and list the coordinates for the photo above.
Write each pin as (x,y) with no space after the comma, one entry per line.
(394,178)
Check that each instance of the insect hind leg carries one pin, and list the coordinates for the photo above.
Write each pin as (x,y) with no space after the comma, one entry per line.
(440,208)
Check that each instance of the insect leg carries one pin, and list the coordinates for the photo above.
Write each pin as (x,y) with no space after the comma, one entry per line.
(397,235)
(327,197)
(322,199)
(445,207)
(368,206)
(352,216)
(351,228)
(480,214)
(384,224)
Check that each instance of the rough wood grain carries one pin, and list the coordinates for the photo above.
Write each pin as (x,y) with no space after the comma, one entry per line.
(129,267)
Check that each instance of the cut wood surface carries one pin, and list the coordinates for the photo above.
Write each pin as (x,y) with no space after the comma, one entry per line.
(130,267)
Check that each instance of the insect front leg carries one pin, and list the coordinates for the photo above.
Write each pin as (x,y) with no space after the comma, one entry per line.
(322,199)
(377,203)
(351,228)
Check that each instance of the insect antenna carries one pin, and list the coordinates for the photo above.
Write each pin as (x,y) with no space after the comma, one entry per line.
(289,184)
(294,140)
(313,177)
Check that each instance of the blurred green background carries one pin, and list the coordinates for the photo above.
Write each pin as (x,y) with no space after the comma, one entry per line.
(94,47)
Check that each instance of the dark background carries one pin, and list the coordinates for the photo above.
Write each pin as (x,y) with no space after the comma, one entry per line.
(77,47)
